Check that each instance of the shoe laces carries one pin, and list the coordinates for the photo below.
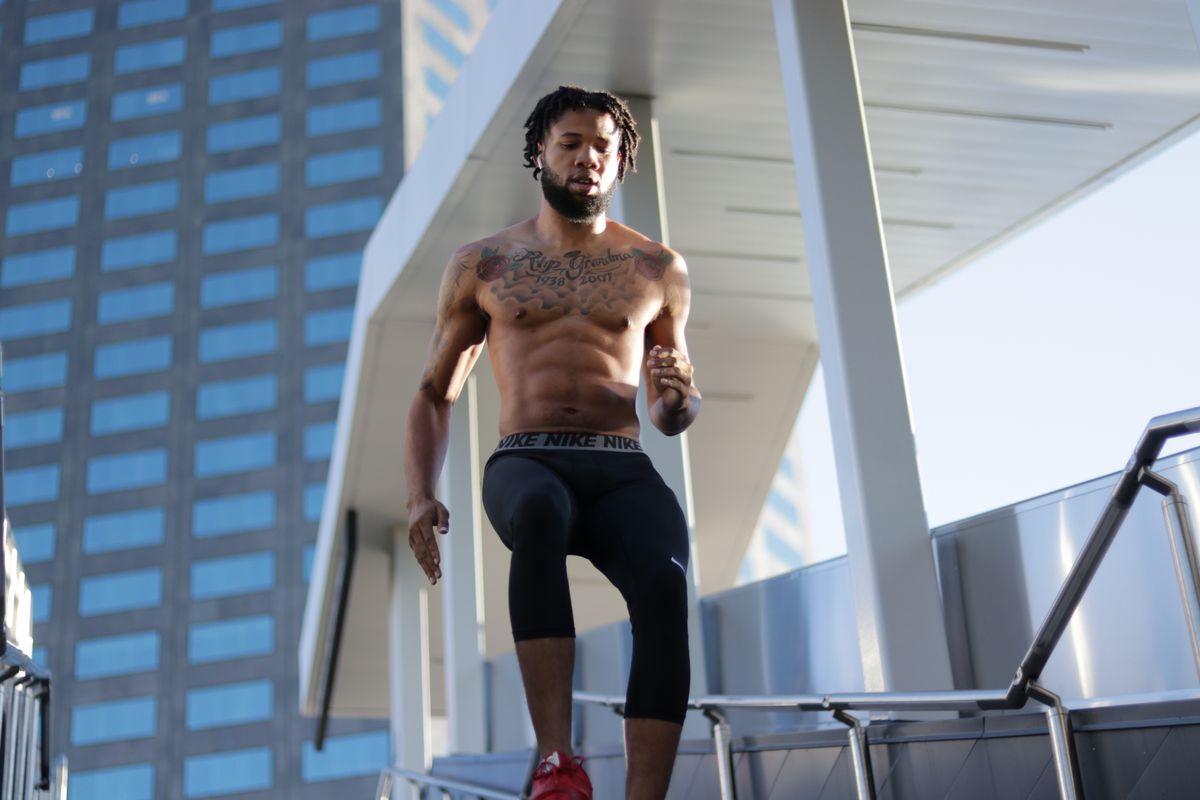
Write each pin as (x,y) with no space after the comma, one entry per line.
(553,763)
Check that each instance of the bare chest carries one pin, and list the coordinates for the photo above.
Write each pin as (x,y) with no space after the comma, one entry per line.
(616,289)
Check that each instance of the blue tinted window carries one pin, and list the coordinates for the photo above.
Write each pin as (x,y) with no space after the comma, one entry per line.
(240,286)
(233,638)
(324,382)
(120,591)
(116,655)
(126,471)
(131,413)
(785,468)
(54,165)
(343,69)
(232,575)
(242,233)
(30,485)
(784,507)
(136,151)
(146,198)
(329,272)
(146,12)
(246,39)
(55,71)
(328,326)
(343,22)
(436,84)
(231,772)
(35,543)
(238,341)
(338,117)
(40,266)
(230,5)
(232,454)
(237,396)
(35,372)
(455,13)
(237,513)
(235,184)
(43,215)
(442,45)
(133,357)
(147,102)
(134,782)
(51,119)
(142,250)
(314,500)
(241,134)
(137,302)
(42,597)
(35,319)
(346,756)
(346,216)
(230,704)
(306,562)
(246,85)
(54,27)
(123,530)
(150,55)
(318,441)
(33,428)
(113,721)
(344,165)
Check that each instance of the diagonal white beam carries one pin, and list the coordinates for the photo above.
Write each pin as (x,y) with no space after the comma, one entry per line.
(901,634)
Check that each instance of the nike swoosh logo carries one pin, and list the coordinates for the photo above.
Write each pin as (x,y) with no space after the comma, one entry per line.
(681,566)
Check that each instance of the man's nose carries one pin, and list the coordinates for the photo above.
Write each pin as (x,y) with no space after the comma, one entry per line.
(587,156)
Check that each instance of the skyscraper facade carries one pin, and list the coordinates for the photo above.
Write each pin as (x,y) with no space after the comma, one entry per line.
(189,185)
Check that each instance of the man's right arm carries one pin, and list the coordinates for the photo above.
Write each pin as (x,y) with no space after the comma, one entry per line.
(457,342)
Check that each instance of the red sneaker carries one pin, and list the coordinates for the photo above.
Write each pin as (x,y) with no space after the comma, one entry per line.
(555,780)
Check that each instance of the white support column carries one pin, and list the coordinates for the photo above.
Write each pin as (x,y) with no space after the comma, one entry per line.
(900,628)
(643,205)
(462,580)
(408,651)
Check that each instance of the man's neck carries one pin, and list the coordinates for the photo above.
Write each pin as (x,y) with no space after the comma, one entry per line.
(557,231)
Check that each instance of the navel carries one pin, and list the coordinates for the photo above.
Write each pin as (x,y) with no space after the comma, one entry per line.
(520,313)
(626,323)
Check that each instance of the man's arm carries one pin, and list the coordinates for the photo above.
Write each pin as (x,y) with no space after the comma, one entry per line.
(457,341)
(672,397)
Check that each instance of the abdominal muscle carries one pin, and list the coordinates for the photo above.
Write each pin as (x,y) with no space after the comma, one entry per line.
(566,383)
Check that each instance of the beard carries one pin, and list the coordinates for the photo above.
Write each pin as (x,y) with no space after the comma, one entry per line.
(579,209)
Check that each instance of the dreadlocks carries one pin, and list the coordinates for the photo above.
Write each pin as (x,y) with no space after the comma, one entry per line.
(572,98)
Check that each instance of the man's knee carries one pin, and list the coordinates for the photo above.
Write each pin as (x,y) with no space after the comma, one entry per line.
(542,511)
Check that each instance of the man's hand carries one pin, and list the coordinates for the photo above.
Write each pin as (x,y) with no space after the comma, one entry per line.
(424,517)
(672,375)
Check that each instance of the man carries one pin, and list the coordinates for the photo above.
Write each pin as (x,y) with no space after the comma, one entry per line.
(571,305)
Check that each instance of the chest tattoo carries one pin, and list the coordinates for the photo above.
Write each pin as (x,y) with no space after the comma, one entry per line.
(575,280)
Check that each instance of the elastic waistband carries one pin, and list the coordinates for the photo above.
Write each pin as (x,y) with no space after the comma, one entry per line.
(567,440)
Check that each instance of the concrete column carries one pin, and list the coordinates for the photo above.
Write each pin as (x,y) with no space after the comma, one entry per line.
(643,204)
(408,653)
(462,580)
(900,629)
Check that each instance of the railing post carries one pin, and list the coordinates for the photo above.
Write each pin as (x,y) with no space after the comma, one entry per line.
(723,750)
(1062,746)
(58,788)
(860,756)
(1183,553)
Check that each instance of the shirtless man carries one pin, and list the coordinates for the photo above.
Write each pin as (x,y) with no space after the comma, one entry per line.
(573,307)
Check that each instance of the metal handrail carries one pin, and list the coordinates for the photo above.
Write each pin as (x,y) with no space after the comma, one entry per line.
(1138,473)
(383,790)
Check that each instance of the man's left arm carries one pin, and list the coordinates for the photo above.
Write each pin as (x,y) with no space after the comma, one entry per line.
(671,394)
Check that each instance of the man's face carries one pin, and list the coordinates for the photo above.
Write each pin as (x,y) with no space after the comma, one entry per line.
(579,164)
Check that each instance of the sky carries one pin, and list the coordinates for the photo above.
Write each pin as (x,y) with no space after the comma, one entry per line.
(1038,365)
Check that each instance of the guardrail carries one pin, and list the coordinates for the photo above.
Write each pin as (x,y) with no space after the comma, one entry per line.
(1138,473)
(383,790)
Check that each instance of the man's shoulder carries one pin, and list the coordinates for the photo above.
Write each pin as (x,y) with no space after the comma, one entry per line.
(636,240)
(499,242)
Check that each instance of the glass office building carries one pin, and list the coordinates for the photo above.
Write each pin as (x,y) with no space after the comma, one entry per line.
(189,187)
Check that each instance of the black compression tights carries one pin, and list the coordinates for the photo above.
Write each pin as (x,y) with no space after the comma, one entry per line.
(615,510)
